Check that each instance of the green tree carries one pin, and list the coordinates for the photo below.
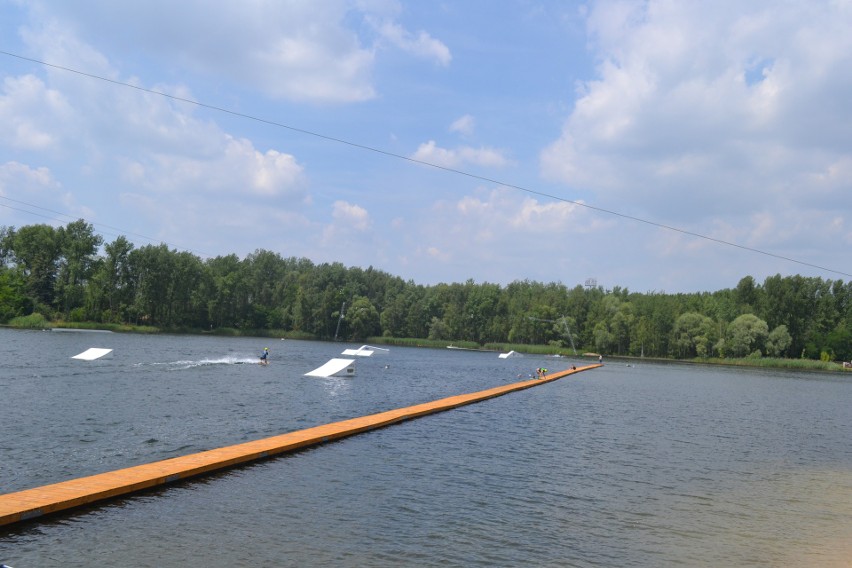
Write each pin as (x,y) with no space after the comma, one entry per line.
(78,246)
(481,307)
(613,318)
(604,340)
(747,295)
(778,341)
(839,342)
(363,319)
(185,309)
(7,248)
(153,269)
(746,336)
(621,325)
(394,317)
(36,251)
(13,298)
(797,302)
(641,336)
(438,329)
(694,335)
(117,279)
(226,292)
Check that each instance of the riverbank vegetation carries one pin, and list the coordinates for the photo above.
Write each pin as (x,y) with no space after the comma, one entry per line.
(67,276)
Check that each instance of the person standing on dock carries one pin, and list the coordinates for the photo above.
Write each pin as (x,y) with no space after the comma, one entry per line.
(264,355)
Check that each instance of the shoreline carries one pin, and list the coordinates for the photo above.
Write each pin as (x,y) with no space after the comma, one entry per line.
(531,350)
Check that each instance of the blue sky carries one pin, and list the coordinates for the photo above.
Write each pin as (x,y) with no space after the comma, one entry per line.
(570,137)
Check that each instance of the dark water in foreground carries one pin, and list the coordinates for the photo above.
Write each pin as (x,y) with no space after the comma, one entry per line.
(652,465)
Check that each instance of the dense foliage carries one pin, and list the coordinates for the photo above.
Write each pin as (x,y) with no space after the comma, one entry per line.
(62,274)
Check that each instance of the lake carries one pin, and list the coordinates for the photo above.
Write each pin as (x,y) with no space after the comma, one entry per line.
(626,465)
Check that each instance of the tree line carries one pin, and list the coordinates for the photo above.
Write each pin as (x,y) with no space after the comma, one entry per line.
(69,274)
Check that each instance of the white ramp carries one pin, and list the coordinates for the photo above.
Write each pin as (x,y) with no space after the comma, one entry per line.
(363,351)
(360,352)
(92,354)
(334,367)
(509,354)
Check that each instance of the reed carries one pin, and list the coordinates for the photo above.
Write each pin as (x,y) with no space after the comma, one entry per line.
(776,363)
(32,321)
(530,349)
(416,342)
(117,327)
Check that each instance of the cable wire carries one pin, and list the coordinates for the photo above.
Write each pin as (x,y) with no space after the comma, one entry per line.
(424,163)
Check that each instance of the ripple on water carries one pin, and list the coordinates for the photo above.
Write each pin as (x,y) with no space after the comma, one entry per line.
(643,466)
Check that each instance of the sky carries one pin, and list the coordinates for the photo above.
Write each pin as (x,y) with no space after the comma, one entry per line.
(658,146)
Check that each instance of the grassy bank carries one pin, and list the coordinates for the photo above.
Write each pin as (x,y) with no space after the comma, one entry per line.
(777,363)
(37,321)
(496,347)
(763,362)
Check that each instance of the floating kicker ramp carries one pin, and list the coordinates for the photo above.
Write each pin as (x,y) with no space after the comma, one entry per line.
(333,367)
(363,351)
(92,354)
(33,503)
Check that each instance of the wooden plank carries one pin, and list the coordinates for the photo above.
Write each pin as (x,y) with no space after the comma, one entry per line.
(34,503)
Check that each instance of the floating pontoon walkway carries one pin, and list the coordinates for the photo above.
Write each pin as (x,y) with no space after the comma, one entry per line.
(39,501)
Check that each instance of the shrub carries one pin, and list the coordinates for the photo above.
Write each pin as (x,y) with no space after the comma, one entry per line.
(32,321)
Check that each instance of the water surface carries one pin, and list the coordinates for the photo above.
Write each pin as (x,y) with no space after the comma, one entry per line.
(646,465)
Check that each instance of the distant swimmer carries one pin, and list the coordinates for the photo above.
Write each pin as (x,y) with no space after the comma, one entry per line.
(264,356)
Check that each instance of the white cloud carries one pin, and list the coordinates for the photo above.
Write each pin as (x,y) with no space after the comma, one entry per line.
(698,107)
(431,153)
(420,44)
(436,254)
(728,119)
(498,228)
(464,125)
(305,69)
(288,49)
(234,167)
(494,212)
(25,179)
(141,152)
(155,143)
(351,216)
(349,228)
(221,224)
(28,110)
(34,193)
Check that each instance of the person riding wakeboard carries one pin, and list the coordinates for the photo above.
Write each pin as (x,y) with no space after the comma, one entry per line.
(264,355)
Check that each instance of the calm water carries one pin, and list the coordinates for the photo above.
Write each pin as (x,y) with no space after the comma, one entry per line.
(647,465)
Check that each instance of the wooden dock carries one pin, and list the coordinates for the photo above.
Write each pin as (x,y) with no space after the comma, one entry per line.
(33,503)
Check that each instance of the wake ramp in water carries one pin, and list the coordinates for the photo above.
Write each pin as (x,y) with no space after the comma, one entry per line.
(334,367)
(509,354)
(363,351)
(92,354)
